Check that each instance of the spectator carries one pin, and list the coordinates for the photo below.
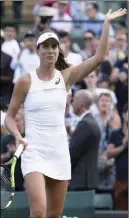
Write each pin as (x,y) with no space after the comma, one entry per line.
(103,81)
(10,45)
(84,145)
(28,60)
(42,19)
(118,149)
(6,75)
(5,140)
(93,14)
(89,37)
(61,15)
(105,121)
(71,57)
(117,51)
(8,147)
(121,45)
(91,82)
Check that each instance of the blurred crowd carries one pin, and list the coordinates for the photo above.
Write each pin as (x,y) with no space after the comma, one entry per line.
(96,116)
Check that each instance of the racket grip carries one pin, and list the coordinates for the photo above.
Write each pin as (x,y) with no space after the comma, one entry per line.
(19,151)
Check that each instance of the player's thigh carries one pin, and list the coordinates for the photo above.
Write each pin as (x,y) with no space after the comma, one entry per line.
(56,191)
(35,187)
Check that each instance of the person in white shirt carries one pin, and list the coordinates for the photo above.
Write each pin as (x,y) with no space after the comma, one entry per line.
(62,16)
(10,45)
(28,59)
(72,58)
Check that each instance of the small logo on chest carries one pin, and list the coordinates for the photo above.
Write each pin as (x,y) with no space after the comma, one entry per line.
(57,81)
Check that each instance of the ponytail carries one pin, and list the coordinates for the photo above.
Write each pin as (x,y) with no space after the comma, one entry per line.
(61,64)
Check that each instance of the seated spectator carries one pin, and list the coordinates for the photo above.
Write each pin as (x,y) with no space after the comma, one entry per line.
(89,37)
(121,45)
(10,45)
(84,145)
(118,149)
(42,19)
(61,15)
(65,43)
(93,14)
(6,75)
(28,59)
(8,147)
(103,81)
(104,120)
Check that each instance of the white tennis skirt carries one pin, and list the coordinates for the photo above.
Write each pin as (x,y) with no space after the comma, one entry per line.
(53,163)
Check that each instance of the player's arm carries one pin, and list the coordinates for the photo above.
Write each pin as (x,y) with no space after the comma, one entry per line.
(20,90)
(75,74)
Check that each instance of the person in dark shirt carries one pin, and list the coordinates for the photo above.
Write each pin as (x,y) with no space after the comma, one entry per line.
(8,147)
(118,149)
(6,75)
(84,145)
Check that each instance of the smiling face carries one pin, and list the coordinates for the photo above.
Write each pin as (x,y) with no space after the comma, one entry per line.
(49,51)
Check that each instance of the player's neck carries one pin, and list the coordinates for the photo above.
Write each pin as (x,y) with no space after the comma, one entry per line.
(46,72)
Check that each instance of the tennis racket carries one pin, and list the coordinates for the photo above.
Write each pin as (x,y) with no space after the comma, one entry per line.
(7,179)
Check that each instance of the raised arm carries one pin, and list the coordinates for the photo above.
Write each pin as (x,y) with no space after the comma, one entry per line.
(75,74)
(20,90)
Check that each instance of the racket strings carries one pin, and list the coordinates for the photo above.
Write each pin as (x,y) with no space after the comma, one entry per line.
(5,186)
(5,179)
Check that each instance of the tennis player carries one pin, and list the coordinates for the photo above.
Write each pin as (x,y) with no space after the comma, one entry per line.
(45,161)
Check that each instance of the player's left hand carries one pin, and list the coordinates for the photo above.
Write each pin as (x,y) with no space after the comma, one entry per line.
(110,16)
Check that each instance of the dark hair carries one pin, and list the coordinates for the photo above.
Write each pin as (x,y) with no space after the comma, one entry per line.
(125,108)
(12,26)
(94,4)
(90,31)
(61,63)
(63,34)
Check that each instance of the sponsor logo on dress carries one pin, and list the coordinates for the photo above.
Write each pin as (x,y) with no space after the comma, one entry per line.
(57,81)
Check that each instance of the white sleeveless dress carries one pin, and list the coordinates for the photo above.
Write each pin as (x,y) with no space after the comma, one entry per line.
(44,107)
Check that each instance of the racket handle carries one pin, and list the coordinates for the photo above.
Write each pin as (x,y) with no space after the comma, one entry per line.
(19,151)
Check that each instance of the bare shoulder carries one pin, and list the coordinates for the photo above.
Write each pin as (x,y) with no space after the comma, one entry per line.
(24,83)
